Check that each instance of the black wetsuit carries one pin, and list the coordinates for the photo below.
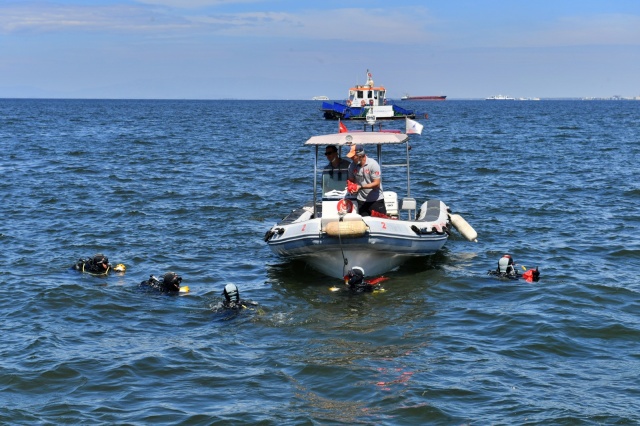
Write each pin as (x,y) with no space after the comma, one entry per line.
(240,304)
(169,284)
(512,275)
(98,265)
(357,283)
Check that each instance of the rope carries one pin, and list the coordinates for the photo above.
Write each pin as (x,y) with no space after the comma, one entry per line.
(344,259)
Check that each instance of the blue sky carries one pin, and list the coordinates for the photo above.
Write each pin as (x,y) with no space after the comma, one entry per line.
(296,49)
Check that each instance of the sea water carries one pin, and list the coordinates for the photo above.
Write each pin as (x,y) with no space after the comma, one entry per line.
(192,186)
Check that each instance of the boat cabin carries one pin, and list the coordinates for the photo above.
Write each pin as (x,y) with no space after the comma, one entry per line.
(367,95)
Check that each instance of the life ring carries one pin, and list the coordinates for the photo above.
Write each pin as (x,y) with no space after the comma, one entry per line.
(371,102)
(362,103)
(348,102)
(345,206)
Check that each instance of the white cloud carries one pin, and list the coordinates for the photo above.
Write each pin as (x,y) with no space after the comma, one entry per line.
(601,30)
(347,25)
(50,18)
(397,25)
(195,4)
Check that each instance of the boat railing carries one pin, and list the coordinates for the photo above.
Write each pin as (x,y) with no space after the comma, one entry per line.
(395,165)
(322,185)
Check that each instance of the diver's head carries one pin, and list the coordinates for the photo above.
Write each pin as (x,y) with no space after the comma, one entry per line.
(355,276)
(231,293)
(100,259)
(171,281)
(505,264)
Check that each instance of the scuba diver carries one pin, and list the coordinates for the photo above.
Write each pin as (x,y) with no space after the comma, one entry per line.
(233,306)
(506,266)
(357,284)
(170,283)
(507,269)
(97,265)
(232,298)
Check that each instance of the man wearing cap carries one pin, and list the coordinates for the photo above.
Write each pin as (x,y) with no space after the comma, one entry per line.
(365,173)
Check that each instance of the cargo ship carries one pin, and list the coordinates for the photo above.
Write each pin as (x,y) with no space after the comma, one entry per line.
(423,98)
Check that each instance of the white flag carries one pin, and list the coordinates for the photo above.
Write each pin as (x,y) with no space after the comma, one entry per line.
(413,127)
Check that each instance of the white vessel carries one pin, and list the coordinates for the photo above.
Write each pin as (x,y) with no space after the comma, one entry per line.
(329,234)
(363,100)
(500,98)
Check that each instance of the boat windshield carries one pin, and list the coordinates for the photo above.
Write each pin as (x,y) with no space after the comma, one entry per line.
(333,181)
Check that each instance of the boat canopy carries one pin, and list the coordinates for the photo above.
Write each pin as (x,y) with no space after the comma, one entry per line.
(364,138)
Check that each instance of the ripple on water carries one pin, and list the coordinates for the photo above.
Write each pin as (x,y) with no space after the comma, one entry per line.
(157,185)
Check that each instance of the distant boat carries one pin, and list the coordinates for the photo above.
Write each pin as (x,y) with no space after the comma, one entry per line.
(365,100)
(500,98)
(423,98)
(320,98)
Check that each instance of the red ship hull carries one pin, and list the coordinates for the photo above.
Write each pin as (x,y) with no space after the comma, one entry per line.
(424,98)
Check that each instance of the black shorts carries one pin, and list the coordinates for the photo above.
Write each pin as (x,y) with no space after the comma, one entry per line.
(365,207)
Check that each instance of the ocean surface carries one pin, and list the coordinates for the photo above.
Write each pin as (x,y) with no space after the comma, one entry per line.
(192,187)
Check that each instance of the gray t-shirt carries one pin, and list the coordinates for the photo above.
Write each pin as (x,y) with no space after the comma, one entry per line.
(364,175)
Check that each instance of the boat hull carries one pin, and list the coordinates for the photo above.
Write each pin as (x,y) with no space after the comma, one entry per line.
(424,98)
(338,111)
(385,245)
(375,254)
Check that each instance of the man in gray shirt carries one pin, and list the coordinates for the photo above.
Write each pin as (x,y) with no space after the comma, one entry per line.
(365,173)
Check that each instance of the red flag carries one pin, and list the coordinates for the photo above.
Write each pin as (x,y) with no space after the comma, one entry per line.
(342,128)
